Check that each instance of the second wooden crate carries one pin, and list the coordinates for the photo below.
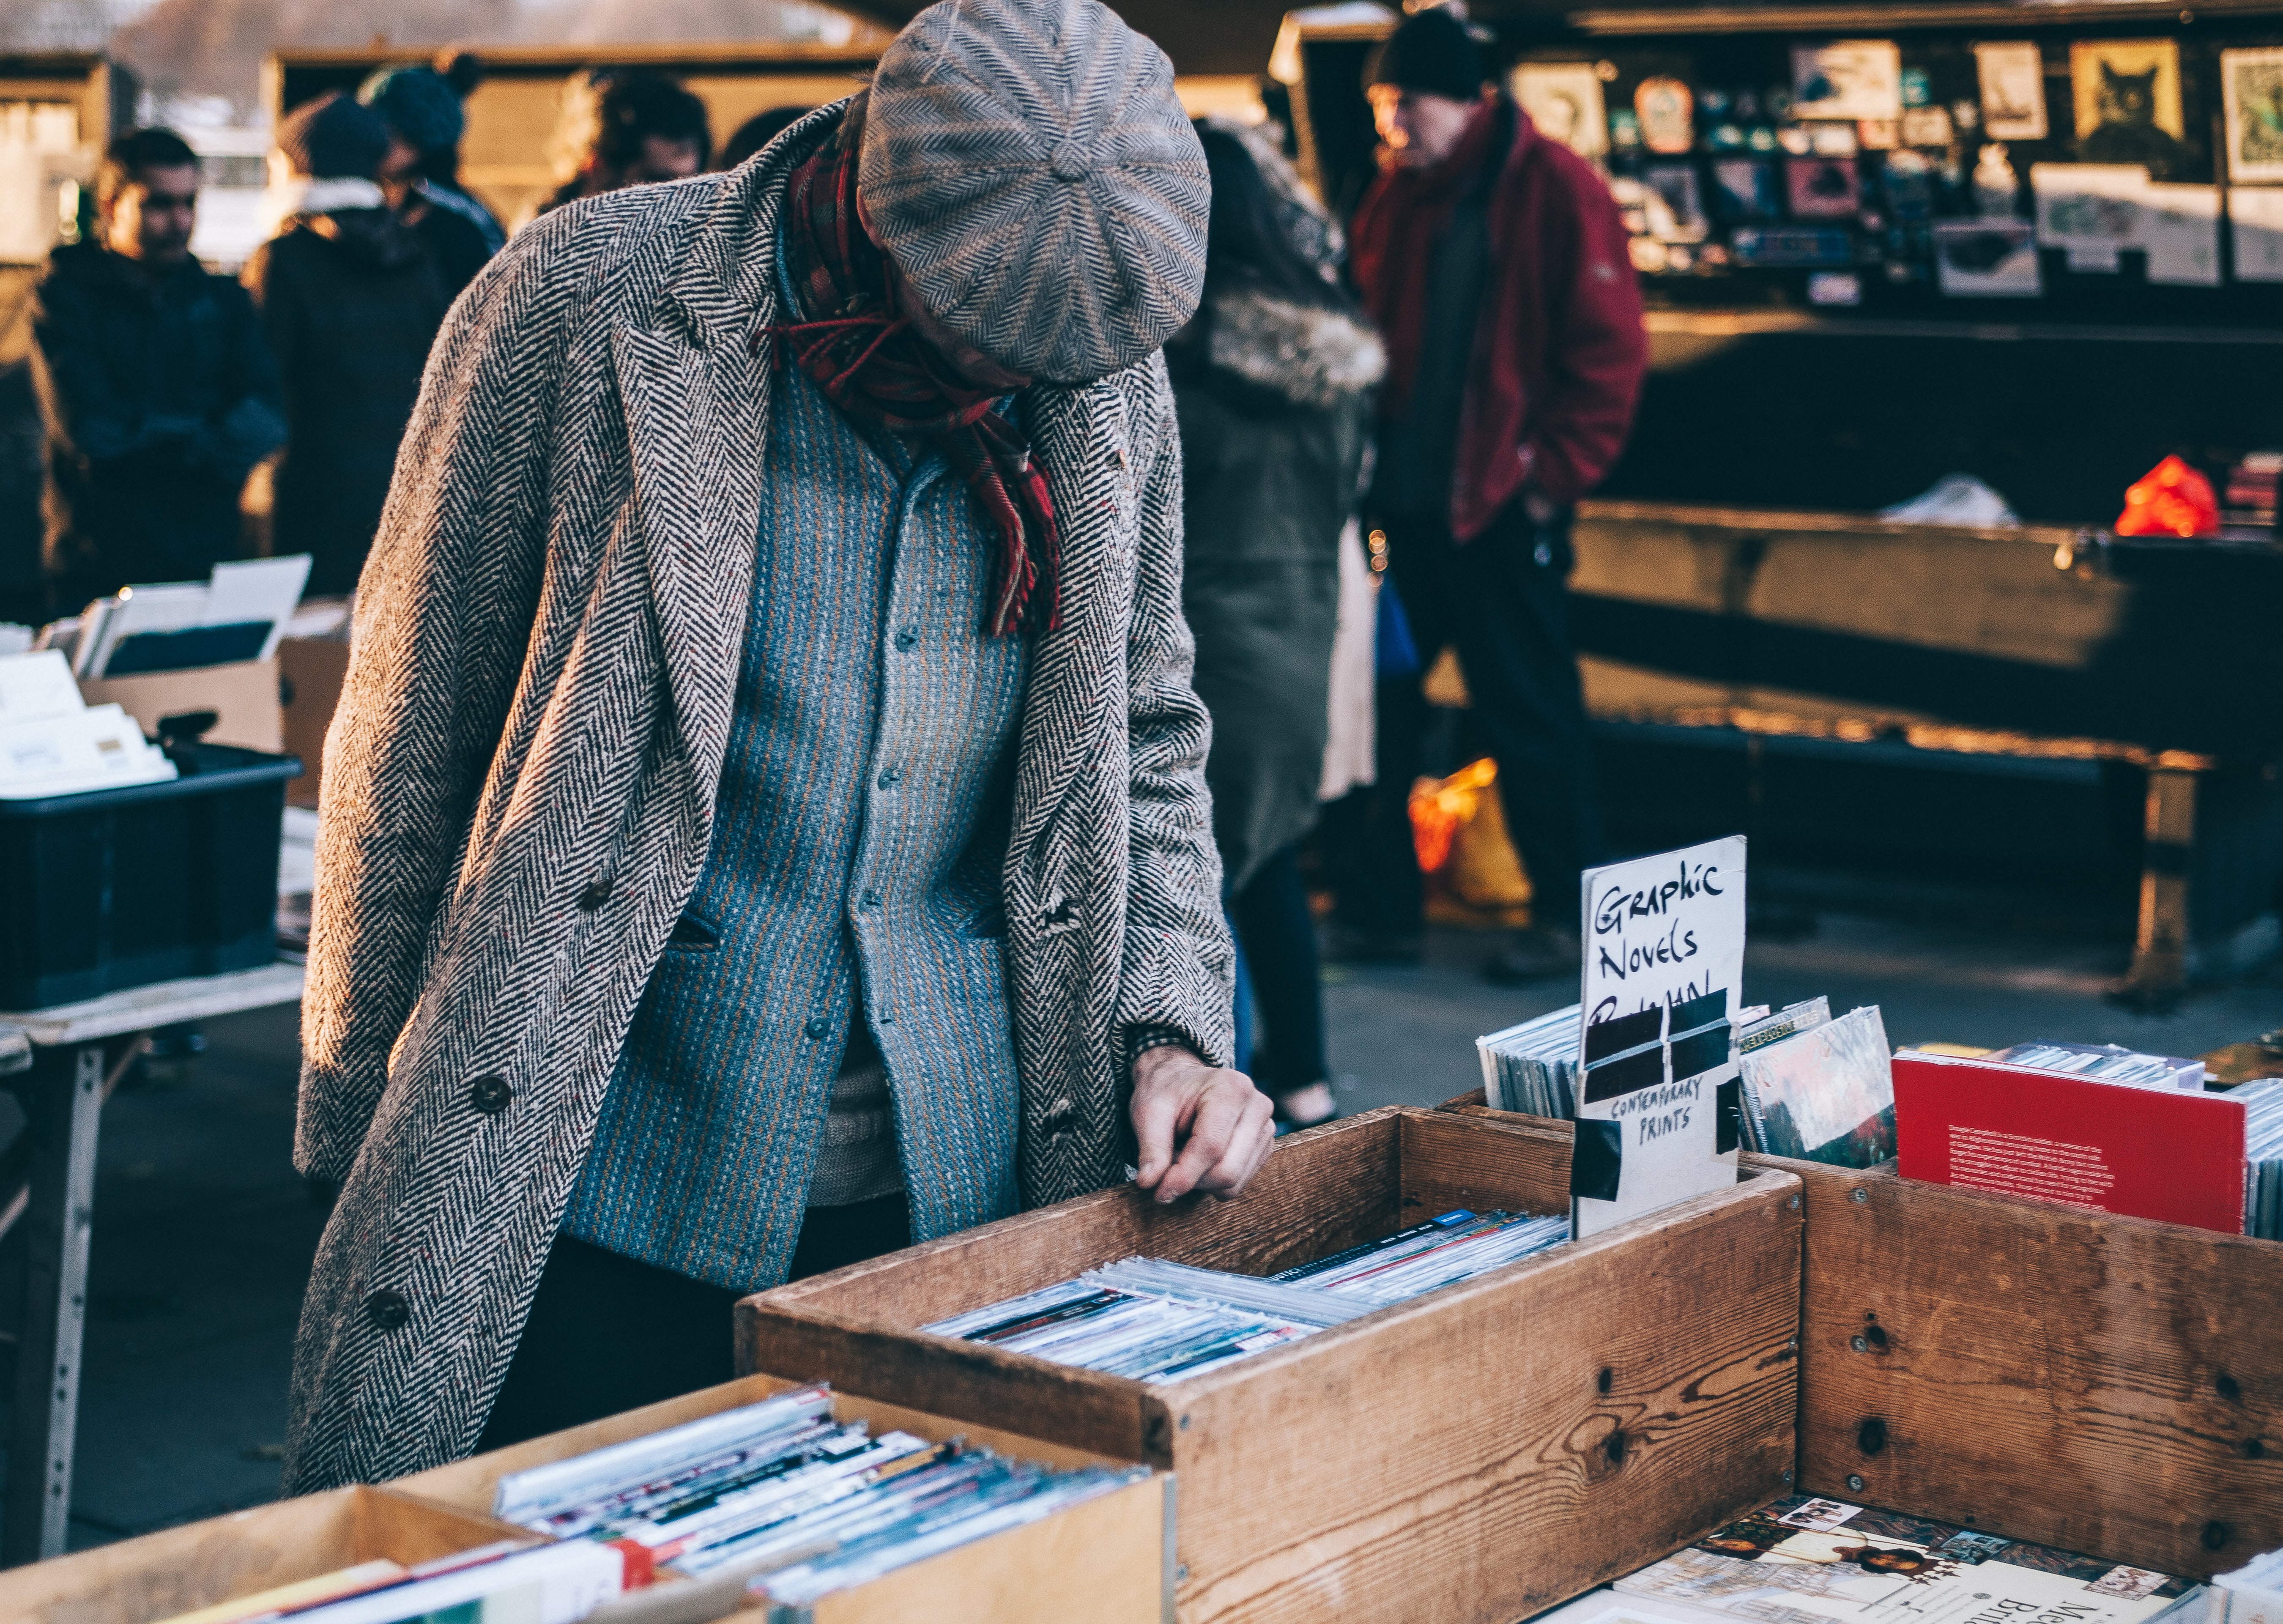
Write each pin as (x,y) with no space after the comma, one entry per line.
(1473,1455)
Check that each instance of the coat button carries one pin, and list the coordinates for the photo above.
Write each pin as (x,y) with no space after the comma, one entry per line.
(908,637)
(594,896)
(387,1309)
(892,777)
(818,1029)
(490,1094)
(870,900)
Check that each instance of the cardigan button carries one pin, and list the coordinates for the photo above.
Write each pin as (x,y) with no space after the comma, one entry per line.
(490,1094)
(387,1309)
(818,1029)
(594,896)
(908,637)
(892,777)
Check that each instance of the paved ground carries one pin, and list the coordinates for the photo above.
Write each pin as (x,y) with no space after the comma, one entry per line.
(203,1234)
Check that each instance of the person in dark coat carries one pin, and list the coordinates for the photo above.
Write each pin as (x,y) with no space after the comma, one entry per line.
(1271,383)
(1494,261)
(627,128)
(158,393)
(424,120)
(352,301)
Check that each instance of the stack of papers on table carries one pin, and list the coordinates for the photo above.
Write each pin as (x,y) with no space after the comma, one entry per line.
(51,743)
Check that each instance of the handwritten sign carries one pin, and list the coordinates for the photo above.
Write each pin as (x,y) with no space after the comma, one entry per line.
(1662,980)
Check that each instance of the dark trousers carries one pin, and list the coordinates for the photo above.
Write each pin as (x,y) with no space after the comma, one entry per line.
(1277,933)
(1502,602)
(607,1333)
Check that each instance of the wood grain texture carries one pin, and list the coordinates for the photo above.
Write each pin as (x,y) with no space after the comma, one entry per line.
(2110,1384)
(1449,1458)
(178,1570)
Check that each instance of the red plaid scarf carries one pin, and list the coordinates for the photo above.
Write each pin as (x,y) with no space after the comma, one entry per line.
(874,368)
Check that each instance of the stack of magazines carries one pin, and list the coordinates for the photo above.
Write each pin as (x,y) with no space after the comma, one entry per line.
(1161,1322)
(517,1580)
(1533,1067)
(1816,1088)
(783,1490)
(2262,1152)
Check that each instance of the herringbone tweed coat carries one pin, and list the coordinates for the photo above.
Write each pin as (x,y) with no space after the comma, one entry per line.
(519,786)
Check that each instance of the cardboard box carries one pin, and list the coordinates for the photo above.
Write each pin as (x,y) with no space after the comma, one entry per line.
(313,670)
(244,1554)
(1476,1453)
(2108,1384)
(243,696)
(1102,1562)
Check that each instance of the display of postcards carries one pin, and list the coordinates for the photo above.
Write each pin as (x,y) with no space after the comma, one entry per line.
(2251,85)
(1834,289)
(2092,211)
(2127,95)
(1917,89)
(2105,1062)
(1564,100)
(1792,246)
(2254,217)
(1533,1067)
(1162,1322)
(2011,75)
(1822,188)
(1745,189)
(1907,182)
(1987,258)
(1833,140)
(1803,1557)
(783,1481)
(1847,79)
(2263,1150)
(1926,127)
(1725,139)
(1825,1092)
(1668,114)
(1878,135)
(1677,187)
(1625,129)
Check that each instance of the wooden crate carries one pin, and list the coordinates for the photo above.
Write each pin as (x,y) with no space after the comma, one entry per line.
(2113,1385)
(161,1574)
(1106,1561)
(1477,1454)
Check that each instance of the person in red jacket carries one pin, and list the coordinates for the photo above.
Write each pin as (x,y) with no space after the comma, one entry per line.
(1495,265)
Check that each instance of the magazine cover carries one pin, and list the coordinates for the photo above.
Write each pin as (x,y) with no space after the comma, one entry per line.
(1827,1094)
(1808,1560)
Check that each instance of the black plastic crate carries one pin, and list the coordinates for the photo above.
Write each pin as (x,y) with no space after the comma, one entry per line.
(118,889)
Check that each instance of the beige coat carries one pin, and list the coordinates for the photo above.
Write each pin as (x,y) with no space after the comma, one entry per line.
(519,786)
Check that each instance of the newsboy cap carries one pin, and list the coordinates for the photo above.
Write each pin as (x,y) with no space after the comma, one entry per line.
(1026,165)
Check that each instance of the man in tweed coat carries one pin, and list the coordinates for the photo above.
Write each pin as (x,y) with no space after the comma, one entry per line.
(769,734)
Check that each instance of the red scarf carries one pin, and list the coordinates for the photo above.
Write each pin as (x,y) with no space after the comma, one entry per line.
(876,369)
(1391,247)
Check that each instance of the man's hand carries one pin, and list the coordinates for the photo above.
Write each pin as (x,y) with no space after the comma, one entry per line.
(1223,1126)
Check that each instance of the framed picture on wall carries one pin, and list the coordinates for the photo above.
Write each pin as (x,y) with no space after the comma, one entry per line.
(2128,104)
(2252,85)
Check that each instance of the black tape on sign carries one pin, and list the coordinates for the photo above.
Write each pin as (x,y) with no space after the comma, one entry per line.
(1701,1051)
(1597,1161)
(1691,1014)
(1605,1038)
(1629,1075)
(1728,1111)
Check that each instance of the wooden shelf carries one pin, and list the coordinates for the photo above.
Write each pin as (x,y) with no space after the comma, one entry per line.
(1840,19)
(1754,323)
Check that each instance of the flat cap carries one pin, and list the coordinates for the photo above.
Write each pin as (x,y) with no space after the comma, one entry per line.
(1026,165)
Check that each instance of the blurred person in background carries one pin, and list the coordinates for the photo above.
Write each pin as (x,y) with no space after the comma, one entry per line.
(1495,266)
(758,131)
(159,394)
(351,300)
(422,113)
(1272,382)
(623,128)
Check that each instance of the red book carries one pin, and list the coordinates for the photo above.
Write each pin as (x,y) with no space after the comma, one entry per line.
(2146,1153)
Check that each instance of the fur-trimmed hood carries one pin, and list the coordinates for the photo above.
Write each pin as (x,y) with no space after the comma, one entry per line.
(1310,356)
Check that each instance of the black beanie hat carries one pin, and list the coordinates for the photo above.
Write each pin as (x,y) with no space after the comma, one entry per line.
(1430,51)
(333,138)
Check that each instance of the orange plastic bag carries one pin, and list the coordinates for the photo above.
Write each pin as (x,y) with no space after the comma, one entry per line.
(2171,499)
(1440,806)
